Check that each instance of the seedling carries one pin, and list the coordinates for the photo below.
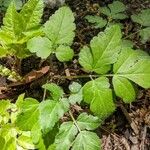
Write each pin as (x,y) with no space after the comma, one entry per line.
(113,12)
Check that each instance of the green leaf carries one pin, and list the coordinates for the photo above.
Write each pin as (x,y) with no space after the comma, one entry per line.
(55,90)
(42,46)
(13,22)
(88,122)
(98,22)
(3,52)
(127,44)
(105,11)
(103,52)
(134,65)
(76,93)
(50,113)
(29,114)
(60,27)
(117,7)
(66,136)
(32,12)
(124,89)
(98,94)
(86,141)
(25,142)
(145,34)
(75,87)
(2,143)
(4,105)
(119,16)
(64,53)
(142,18)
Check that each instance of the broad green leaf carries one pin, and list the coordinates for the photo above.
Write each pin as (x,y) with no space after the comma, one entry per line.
(142,18)
(98,94)
(42,46)
(103,52)
(97,21)
(32,12)
(25,142)
(64,53)
(50,113)
(10,144)
(13,22)
(20,100)
(134,65)
(88,122)
(29,114)
(145,34)
(124,89)
(86,141)
(66,136)
(75,87)
(55,90)
(60,27)
(117,7)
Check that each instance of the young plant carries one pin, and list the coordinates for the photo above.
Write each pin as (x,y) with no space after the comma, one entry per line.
(43,120)
(144,20)
(107,58)
(19,27)
(10,136)
(59,35)
(114,12)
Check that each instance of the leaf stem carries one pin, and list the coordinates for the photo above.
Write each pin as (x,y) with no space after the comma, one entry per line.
(83,76)
(74,121)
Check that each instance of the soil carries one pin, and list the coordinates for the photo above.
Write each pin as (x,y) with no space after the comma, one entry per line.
(128,128)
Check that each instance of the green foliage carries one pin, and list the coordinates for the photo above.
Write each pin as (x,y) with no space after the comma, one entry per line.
(103,51)
(19,27)
(130,67)
(75,93)
(5,3)
(72,134)
(59,35)
(113,12)
(144,20)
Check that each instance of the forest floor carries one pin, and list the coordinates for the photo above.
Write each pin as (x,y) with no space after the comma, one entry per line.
(129,127)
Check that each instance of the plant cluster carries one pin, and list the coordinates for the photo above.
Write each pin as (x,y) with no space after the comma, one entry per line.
(31,124)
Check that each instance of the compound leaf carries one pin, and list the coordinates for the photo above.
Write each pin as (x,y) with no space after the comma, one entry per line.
(103,51)
(66,136)
(64,53)
(42,46)
(134,65)
(29,114)
(86,140)
(60,27)
(88,122)
(98,94)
